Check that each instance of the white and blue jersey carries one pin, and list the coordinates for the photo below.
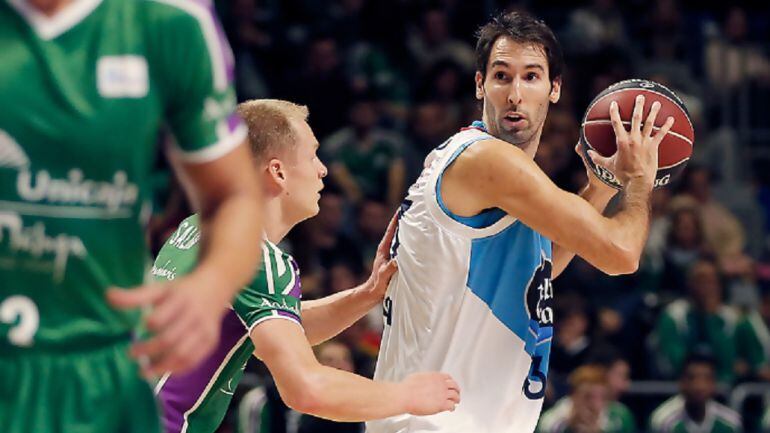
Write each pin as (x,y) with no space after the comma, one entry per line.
(472,298)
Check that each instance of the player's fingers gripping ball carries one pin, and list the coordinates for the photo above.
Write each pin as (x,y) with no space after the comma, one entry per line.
(596,131)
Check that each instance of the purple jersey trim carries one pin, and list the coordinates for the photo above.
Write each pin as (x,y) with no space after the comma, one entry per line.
(296,290)
(180,393)
(227,54)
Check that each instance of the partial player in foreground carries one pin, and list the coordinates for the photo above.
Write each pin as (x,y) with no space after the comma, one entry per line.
(87,86)
(483,230)
(267,319)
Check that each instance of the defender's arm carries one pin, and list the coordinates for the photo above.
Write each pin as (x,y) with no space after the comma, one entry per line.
(309,387)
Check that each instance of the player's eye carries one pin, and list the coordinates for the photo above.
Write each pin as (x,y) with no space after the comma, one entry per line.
(500,75)
(531,76)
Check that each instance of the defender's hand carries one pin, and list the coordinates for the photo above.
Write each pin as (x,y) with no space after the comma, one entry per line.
(637,148)
(383,266)
(429,393)
(185,319)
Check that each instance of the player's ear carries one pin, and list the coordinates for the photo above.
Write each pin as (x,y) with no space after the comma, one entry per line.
(479,86)
(555,90)
(276,172)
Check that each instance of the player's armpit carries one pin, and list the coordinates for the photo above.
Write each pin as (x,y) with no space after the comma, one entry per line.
(498,174)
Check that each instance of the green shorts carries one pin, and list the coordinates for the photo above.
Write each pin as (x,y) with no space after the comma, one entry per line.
(96,391)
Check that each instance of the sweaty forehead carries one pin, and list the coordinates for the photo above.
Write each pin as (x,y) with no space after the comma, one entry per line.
(517,53)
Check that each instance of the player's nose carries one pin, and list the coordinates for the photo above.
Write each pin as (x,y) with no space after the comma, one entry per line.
(323,170)
(514,93)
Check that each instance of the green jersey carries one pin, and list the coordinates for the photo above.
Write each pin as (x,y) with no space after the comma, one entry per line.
(196,402)
(682,329)
(671,417)
(616,419)
(85,96)
(752,341)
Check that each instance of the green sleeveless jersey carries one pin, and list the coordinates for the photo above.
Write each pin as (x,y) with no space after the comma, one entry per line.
(86,95)
(196,402)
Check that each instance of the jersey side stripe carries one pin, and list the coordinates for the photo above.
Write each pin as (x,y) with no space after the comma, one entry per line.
(280,265)
(217,52)
(268,269)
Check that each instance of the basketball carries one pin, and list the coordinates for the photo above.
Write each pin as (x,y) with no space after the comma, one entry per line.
(596,129)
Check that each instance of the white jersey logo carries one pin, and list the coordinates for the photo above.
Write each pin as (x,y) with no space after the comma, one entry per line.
(122,76)
(11,154)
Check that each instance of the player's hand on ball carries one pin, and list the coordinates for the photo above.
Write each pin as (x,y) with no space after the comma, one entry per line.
(184,321)
(637,148)
(593,179)
(429,393)
(383,266)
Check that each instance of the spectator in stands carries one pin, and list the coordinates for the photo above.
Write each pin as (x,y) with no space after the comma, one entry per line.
(431,41)
(365,160)
(588,408)
(572,341)
(685,245)
(322,85)
(731,59)
(332,354)
(752,342)
(372,220)
(701,322)
(320,242)
(694,409)
(618,376)
(594,28)
(723,232)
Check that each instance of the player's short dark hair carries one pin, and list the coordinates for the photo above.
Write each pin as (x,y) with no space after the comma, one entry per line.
(521,28)
(699,357)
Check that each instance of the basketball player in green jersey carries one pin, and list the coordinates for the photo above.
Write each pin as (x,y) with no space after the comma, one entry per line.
(86,87)
(266,317)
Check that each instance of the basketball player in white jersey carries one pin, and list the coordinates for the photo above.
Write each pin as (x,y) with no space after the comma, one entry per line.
(483,230)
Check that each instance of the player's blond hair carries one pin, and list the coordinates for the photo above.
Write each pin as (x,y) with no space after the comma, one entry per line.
(269,124)
(588,375)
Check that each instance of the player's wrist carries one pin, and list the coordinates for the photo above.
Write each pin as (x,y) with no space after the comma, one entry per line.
(403,395)
(641,181)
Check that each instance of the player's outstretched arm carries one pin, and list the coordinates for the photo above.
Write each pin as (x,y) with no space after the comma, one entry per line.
(309,387)
(494,173)
(186,313)
(326,317)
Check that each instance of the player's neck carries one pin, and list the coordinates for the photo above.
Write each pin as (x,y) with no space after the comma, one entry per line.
(276,224)
(530,147)
(49,7)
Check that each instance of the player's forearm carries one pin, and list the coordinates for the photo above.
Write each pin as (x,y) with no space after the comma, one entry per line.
(629,227)
(598,197)
(341,396)
(326,317)
(235,224)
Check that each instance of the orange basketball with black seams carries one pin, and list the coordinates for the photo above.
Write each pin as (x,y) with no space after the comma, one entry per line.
(676,147)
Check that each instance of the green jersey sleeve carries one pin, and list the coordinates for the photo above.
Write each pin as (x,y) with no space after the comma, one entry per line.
(274,293)
(196,69)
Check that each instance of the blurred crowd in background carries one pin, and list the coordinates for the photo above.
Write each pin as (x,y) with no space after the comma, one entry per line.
(388,80)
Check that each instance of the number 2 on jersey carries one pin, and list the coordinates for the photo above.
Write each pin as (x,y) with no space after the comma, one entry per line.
(22,314)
